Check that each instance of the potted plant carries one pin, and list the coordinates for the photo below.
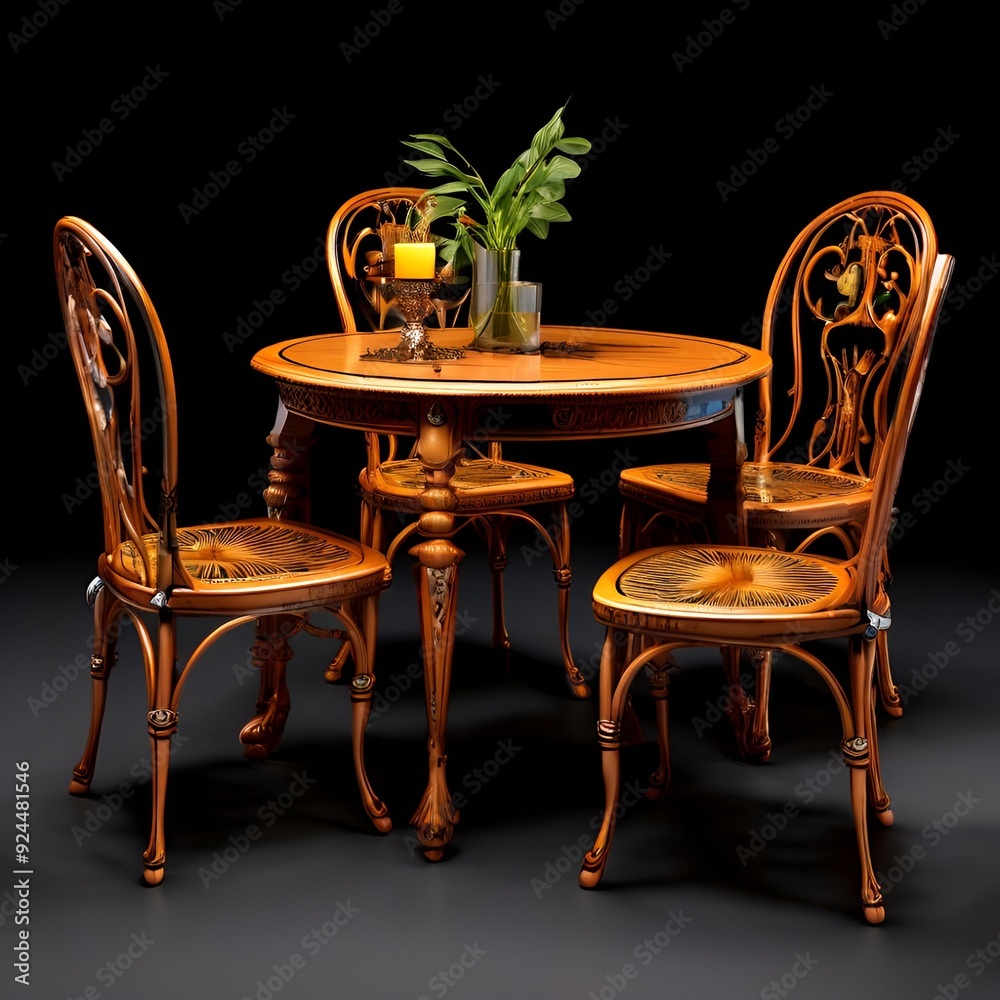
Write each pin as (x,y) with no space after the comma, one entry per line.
(489,221)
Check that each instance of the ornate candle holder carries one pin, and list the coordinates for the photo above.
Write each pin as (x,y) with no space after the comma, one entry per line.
(414,300)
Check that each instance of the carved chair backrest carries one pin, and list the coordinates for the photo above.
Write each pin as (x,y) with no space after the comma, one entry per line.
(907,378)
(113,331)
(359,237)
(838,320)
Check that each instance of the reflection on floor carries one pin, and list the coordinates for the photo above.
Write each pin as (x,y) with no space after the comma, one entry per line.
(742,882)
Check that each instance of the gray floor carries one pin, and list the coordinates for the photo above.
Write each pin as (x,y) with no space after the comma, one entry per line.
(276,885)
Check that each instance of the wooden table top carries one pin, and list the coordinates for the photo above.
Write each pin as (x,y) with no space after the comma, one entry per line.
(692,379)
(614,359)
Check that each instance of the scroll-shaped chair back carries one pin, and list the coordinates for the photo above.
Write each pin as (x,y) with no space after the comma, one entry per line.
(837,325)
(112,327)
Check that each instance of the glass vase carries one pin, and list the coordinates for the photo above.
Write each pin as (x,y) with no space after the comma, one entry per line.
(498,310)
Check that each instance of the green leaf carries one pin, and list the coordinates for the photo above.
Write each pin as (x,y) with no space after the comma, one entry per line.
(551,191)
(564,168)
(450,187)
(550,212)
(525,197)
(547,136)
(442,168)
(509,179)
(575,146)
(437,138)
(430,148)
(538,227)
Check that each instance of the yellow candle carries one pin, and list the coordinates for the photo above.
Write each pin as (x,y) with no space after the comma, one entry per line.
(414,260)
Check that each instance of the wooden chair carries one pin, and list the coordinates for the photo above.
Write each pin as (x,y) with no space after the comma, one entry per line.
(272,574)
(697,595)
(833,321)
(491,491)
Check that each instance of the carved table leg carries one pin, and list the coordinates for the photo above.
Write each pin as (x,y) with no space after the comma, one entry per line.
(727,452)
(271,653)
(436,573)
(288,497)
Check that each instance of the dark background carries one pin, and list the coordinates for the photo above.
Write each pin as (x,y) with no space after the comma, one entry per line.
(895,78)
(672,104)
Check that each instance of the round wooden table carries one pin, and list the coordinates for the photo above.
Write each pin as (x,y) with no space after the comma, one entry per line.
(586,383)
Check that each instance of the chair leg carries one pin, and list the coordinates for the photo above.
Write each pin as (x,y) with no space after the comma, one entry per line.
(609,737)
(659,689)
(563,573)
(877,796)
(362,686)
(162,719)
(270,654)
(858,750)
(757,741)
(107,626)
(497,531)
(888,692)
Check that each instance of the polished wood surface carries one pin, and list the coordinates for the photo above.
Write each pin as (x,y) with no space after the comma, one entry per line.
(279,577)
(586,384)
(670,598)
